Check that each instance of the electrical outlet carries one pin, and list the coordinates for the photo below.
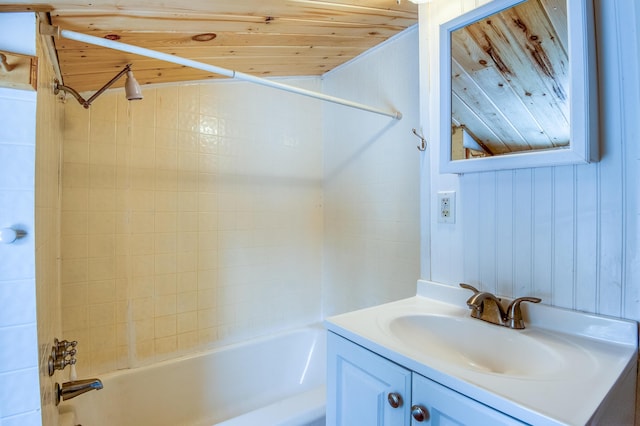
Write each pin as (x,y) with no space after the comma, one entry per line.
(447,207)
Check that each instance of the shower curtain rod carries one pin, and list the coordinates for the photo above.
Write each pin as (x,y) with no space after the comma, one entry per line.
(51,30)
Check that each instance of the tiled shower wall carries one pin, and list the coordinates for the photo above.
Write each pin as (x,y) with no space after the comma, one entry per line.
(372,180)
(189,219)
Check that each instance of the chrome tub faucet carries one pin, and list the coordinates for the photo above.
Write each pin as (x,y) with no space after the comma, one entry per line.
(487,307)
(74,388)
(63,353)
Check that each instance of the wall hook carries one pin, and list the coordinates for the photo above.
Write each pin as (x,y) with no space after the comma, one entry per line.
(423,142)
(4,64)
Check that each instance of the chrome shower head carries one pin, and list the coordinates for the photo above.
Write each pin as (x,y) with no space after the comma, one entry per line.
(132,88)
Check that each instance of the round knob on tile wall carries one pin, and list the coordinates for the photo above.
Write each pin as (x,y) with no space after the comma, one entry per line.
(8,235)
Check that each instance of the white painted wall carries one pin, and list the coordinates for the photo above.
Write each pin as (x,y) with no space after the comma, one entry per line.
(19,383)
(372,180)
(566,234)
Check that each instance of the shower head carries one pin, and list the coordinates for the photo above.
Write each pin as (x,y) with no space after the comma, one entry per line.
(131,87)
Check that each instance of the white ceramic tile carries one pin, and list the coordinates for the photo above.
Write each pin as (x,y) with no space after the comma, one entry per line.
(22,341)
(16,305)
(18,167)
(22,112)
(19,391)
(32,418)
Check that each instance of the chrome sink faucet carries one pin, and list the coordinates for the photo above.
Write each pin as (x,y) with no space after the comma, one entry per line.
(487,307)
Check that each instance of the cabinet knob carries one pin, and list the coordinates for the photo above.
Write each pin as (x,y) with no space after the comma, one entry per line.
(395,399)
(419,413)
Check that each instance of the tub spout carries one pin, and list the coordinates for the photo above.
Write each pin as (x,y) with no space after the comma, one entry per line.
(74,388)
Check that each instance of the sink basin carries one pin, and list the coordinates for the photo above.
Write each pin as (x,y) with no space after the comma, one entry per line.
(477,345)
(557,371)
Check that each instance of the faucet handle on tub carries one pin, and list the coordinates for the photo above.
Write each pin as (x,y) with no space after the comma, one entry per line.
(61,346)
(514,314)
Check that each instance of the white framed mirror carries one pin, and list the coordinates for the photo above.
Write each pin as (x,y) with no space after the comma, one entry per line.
(518,86)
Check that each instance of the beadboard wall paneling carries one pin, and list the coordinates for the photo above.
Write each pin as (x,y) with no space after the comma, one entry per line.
(567,234)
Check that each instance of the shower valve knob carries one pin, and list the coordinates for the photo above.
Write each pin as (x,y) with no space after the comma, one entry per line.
(62,345)
(54,364)
(65,354)
(62,363)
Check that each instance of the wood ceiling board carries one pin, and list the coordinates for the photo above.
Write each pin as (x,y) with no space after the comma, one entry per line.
(197,24)
(373,11)
(556,11)
(526,132)
(20,7)
(176,39)
(279,64)
(87,58)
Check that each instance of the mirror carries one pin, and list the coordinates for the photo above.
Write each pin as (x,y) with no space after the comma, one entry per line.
(517,84)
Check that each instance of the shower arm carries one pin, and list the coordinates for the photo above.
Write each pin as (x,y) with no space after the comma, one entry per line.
(86,103)
(55,31)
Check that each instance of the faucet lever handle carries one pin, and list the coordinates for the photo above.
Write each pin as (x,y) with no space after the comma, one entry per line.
(470,287)
(514,313)
(527,299)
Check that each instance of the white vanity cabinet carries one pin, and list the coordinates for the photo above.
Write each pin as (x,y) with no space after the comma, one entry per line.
(364,388)
(443,406)
(361,387)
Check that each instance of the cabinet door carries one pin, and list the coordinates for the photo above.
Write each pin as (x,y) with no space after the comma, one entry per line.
(443,406)
(359,383)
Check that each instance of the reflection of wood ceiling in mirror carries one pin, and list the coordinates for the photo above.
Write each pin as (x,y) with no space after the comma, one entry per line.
(510,78)
(266,38)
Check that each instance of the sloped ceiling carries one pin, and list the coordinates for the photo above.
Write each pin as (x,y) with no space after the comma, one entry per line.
(266,38)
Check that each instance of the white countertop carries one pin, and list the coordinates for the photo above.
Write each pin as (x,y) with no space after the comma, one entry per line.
(594,353)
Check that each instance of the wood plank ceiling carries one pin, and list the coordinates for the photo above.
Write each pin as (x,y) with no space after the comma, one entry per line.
(266,38)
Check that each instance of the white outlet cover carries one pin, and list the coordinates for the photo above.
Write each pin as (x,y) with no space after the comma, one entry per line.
(446,214)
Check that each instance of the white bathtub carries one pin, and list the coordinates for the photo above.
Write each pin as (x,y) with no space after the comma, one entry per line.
(276,380)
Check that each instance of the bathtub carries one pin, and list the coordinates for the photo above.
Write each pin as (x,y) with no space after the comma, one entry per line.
(275,380)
